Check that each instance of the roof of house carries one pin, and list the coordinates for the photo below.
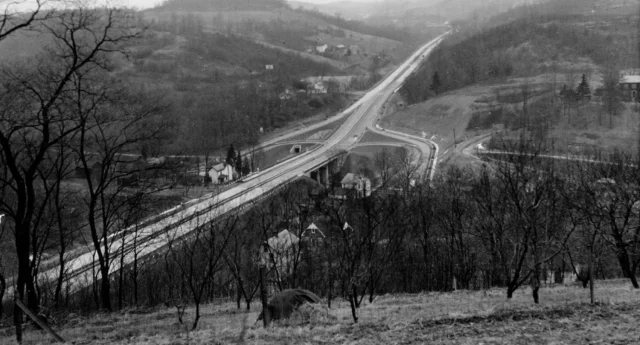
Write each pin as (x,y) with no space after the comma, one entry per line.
(352,178)
(630,79)
(313,228)
(283,240)
(219,167)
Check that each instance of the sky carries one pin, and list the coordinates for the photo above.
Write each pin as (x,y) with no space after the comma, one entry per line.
(140,4)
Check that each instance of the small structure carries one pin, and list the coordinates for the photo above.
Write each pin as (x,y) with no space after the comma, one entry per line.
(340,51)
(222,173)
(312,236)
(359,183)
(322,48)
(296,149)
(630,85)
(287,95)
(355,50)
(317,88)
(268,67)
(281,250)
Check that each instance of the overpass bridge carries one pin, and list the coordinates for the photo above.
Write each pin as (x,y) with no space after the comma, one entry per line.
(154,234)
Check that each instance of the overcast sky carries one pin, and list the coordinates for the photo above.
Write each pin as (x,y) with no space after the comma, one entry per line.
(132,3)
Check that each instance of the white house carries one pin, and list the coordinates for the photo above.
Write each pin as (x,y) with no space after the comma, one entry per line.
(280,253)
(361,184)
(323,48)
(317,88)
(222,173)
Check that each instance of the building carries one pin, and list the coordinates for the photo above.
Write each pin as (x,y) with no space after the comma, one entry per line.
(359,183)
(317,88)
(630,85)
(312,236)
(355,50)
(322,48)
(279,253)
(340,51)
(222,173)
(287,95)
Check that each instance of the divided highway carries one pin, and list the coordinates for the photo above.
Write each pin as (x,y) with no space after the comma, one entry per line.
(154,235)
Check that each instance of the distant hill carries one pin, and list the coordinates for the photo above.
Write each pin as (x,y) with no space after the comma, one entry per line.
(221,5)
(389,10)
(462,9)
(558,36)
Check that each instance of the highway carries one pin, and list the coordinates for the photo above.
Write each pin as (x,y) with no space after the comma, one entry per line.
(154,235)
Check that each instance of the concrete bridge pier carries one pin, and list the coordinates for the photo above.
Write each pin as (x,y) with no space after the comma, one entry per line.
(323,173)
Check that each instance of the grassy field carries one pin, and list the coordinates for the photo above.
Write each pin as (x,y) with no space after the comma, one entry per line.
(374,137)
(277,154)
(461,317)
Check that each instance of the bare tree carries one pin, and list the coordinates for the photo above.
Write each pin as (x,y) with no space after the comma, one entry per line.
(193,259)
(113,126)
(522,218)
(365,246)
(13,21)
(383,163)
(33,104)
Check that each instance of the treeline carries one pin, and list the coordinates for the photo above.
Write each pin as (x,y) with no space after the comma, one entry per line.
(221,5)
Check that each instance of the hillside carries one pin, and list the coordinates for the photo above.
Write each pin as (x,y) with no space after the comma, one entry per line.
(507,73)
(248,52)
(458,317)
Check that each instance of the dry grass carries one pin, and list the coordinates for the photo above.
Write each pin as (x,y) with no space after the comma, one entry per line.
(374,137)
(462,317)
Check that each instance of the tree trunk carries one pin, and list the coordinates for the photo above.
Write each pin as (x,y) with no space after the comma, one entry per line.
(197,318)
(3,286)
(510,290)
(266,316)
(105,289)
(58,292)
(238,296)
(625,265)
(354,312)
(135,267)
(121,277)
(17,321)
(591,294)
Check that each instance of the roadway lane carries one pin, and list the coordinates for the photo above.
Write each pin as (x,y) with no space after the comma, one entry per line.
(362,115)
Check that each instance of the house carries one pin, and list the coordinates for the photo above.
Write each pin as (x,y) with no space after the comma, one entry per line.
(279,253)
(127,166)
(359,183)
(317,88)
(312,236)
(287,95)
(630,85)
(340,51)
(322,48)
(222,173)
